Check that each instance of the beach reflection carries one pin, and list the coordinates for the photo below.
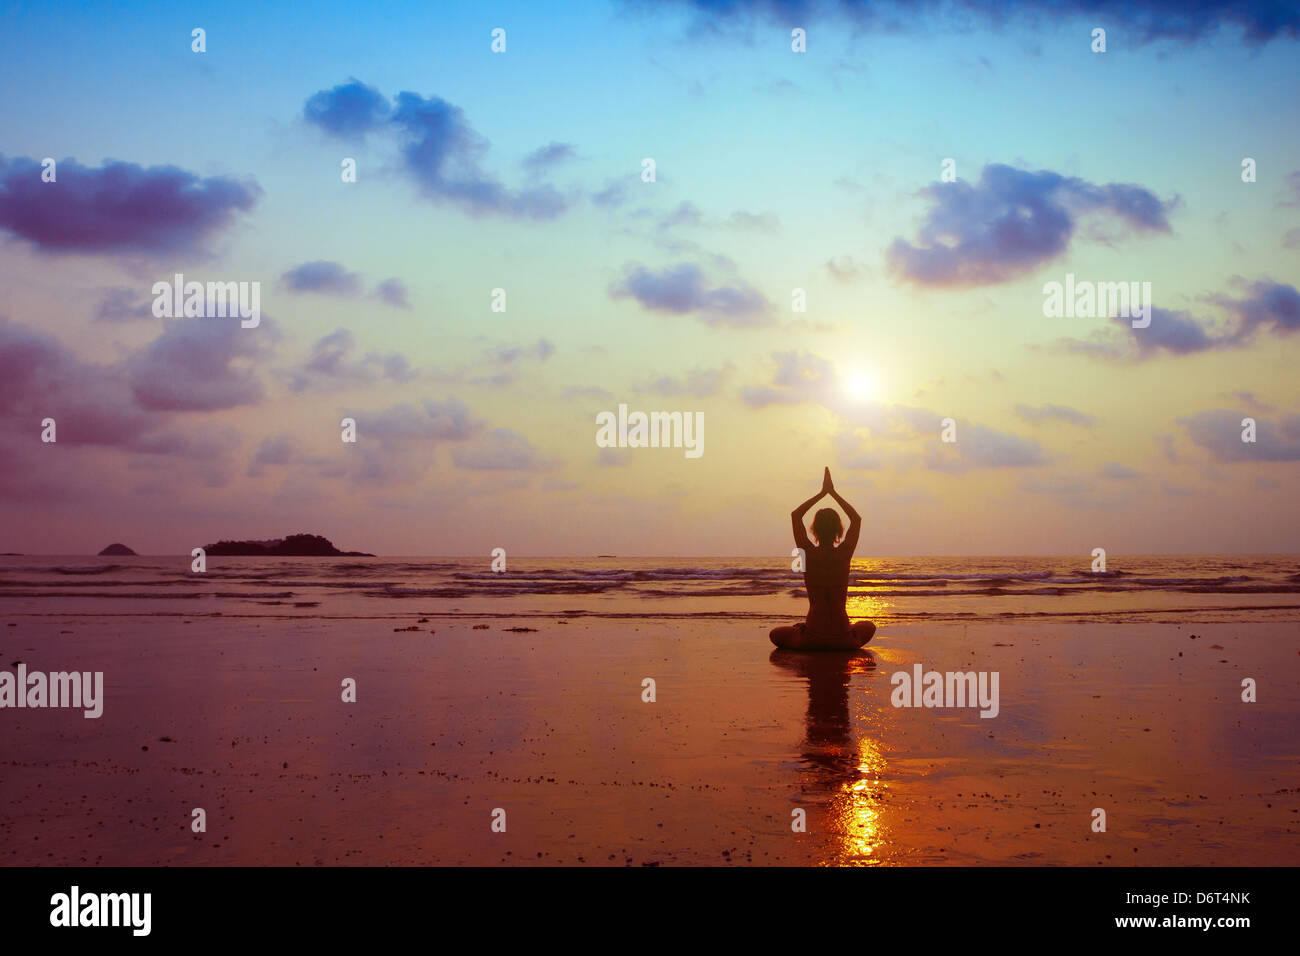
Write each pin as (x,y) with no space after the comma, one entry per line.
(844,775)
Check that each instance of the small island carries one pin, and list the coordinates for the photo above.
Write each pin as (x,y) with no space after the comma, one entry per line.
(294,546)
(118,550)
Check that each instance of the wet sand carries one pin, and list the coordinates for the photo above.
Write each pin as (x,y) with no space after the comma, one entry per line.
(1142,721)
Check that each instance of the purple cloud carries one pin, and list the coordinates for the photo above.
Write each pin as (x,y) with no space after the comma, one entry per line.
(502,449)
(1010,222)
(1265,307)
(1117,472)
(393,292)
(118,207)
(1219,432)
(331,278)
(682,289)
(322,276)
(200,365)
(99,405)
(979,446)
(1059,413)
(331,365)
(123,305)
(697,383)
(1178,20)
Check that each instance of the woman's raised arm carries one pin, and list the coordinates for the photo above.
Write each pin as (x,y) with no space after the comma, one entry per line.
(855,520)
(796,519)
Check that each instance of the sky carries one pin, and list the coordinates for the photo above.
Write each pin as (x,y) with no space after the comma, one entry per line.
(840,248)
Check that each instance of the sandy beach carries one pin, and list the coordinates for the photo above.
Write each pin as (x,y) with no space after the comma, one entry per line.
(243,717)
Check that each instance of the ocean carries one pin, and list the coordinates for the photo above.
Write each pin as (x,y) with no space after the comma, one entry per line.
(1155,588)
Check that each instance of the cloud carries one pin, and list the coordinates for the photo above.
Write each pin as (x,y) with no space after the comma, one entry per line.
(588,391)
(1264,307)
(544,158)
(696,383)
(102,419)
(501,449)
(509,354)
(753,222)
(1251,399)
(1177,20)
(440,151)
(614,193)
(123,305)
(799,377)
(1175,332)
(683,289)
(499,365)
(331,278)
(322,276)
(1060,413)
(1010,222)
(854,453)
(94,406)
(348,110)
(979,446)
(1117,472)
(331,366)
(1291,197)
(1268,305)
(118,207)
(393,292)
(1219,432)
(431,420)
(686,213)
(278,450)
(1292,239)
(559,484)
(844,269)
(396,445)
(41,378)
(613,457)
(201,365)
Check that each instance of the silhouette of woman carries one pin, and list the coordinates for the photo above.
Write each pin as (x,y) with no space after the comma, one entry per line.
(826,579)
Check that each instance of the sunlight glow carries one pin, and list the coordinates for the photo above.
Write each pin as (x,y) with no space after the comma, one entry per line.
(860,385)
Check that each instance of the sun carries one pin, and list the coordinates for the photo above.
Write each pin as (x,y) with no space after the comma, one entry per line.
(860,385)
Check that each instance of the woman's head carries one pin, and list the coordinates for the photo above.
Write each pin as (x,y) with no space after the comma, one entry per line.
(827,527)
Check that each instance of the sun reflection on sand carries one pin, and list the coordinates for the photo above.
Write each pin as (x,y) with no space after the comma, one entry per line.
(856,810)
(846,776)
(868,606)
